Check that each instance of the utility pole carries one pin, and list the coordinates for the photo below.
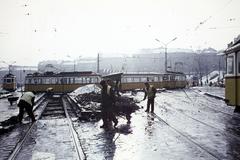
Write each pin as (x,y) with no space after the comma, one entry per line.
(98,59)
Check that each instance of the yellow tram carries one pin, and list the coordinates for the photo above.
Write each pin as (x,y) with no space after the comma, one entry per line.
(232,77)
(9,82)
(68,81)
(61,82)
(131,81)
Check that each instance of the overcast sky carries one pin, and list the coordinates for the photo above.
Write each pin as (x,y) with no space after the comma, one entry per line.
(36,30)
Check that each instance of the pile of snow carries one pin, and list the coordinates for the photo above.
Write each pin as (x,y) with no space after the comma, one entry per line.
(91,88)
(213,77)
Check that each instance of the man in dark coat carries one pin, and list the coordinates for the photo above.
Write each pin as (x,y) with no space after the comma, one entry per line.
(108,101)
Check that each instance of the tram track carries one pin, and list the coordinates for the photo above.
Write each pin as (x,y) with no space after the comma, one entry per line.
(236,117)
(187,137)
(20,143)
(208,99)
(199,121)
(52,108)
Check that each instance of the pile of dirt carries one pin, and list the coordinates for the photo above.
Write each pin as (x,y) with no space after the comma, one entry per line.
(7,125)
(89,97)
(91,104)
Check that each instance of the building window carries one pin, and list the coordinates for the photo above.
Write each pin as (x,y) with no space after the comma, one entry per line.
(230,64)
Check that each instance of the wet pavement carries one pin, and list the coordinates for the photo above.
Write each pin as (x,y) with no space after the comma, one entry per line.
(186,125)
(49,139)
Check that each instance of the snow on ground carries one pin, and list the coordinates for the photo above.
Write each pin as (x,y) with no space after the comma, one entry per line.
(86,89)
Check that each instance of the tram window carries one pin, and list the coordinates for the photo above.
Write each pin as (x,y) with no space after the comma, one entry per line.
(35,81)
(9,80)
(39,80)
(53,80)
(94,80)
(177,78)
(78,80)
(160,78)
(44,81)
(129,79)
(90,80)
(155,79)
(238,62)
(57,80)
(142,79)
(83,80)
(134,79)
(47,81)
(65,80)
(165,77)
(230,64)
(73,79)
(86,80)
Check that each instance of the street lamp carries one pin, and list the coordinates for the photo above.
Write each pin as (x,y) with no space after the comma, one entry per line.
(165,46)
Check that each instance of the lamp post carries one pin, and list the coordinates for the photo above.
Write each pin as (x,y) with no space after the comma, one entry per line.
(165,46)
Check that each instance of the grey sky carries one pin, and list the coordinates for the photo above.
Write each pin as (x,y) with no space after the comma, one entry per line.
(34,30)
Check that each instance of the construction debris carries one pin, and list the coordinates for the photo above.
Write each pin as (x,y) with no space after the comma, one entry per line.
(89,97)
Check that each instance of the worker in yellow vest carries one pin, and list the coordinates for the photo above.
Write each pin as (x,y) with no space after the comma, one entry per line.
(150,92)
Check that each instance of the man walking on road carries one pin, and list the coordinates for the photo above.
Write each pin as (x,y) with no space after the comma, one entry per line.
(150,92)
(26,103)
(108,101)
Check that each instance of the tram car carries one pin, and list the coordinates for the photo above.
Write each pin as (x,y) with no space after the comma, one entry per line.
(62,82)
(131,81)
(9,82)
(232,78)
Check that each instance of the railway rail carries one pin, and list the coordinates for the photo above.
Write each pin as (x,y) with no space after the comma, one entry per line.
(222,131)
(52,107)
(209,100)
(186,137)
